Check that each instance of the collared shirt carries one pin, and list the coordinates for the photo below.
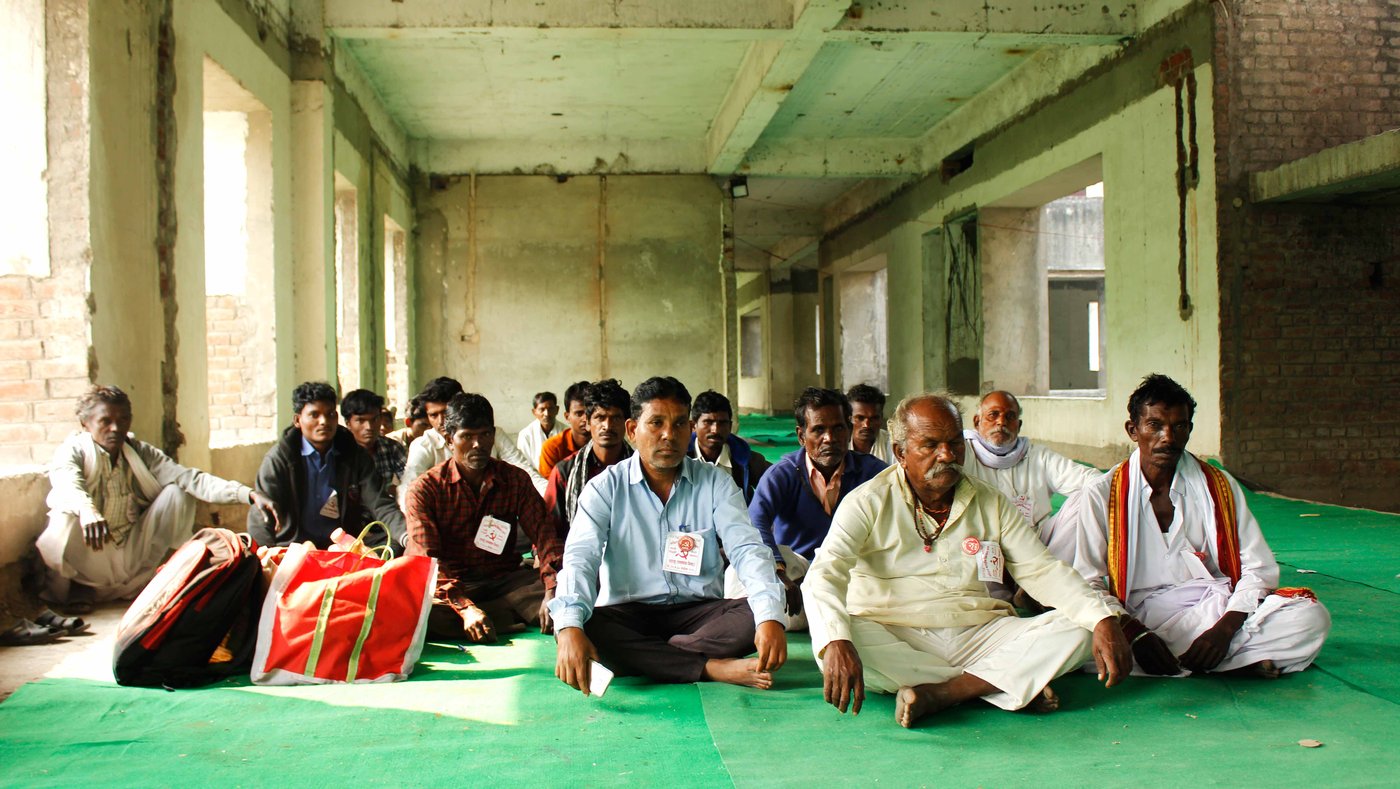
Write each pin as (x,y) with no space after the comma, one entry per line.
(556,449)
(882,448)
(389,460)
(530,440)
(117,504)
(444,513)
(724,460)
(618,538)
(431,448)
(1030,483)
(828,491)
(873,564)
(320,484)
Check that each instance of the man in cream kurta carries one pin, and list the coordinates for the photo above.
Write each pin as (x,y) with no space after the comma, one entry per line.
(1188,612)
(118,505)
(897,596)
(1025,472)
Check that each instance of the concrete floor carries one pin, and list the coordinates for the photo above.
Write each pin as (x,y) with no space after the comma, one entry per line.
(85,656)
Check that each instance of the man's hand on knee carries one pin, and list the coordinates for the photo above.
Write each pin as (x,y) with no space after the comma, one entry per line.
(573,665)
(477,625)
(771,641)
(843,676)
(546,623)
(1210,647)
(1151,652)
(1112,655)
(97,533)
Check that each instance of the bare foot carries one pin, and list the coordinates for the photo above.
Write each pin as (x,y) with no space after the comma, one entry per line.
(1023,600)
(1045,701)
(738,671)
(1264,669)
(914,702)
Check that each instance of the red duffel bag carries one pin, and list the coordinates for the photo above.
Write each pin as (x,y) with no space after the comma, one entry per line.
(343,616)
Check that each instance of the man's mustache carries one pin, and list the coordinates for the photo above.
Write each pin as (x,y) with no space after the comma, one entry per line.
(939,469)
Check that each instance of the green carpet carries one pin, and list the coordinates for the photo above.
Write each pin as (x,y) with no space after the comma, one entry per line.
(497,716)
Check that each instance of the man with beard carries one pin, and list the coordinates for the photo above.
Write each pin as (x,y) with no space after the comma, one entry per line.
(1169,541)
(475,515)
(1024,472)
(640,588)
(868,422)
(715,443)
(897,597)
(606,404)
(794,502)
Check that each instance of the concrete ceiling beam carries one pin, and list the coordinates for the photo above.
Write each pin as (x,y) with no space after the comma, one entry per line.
(544,157)
(1106,18)
(840,158)
(764,80)
(381,19)
(754,219)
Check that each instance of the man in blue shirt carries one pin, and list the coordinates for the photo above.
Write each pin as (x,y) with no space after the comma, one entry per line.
(641,585)
(795,499)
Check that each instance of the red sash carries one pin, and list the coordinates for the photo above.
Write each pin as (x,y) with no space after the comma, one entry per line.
(1227,537)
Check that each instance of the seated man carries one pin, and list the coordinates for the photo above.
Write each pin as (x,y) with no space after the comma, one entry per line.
(319,479)
(1026,473)
(606,404)
(476,515)
(896,596)
(1170,540)
(794,502)
(868,422)
(543,427)
(117,506)
(715,443)
(415,424)
(362,410)
(431,448)
(641,576)
(569,441)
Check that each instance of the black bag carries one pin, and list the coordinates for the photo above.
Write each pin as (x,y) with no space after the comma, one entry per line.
(207,596)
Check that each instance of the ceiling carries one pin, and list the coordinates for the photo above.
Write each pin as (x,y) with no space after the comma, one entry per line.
(806,98)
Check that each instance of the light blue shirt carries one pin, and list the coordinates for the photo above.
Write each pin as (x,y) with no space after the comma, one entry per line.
(618,536)
(320,484)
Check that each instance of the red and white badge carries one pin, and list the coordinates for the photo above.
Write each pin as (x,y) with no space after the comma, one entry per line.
(493,535)
(685,551)
(971,546)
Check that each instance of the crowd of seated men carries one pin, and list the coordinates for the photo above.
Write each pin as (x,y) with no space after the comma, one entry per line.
(922,555)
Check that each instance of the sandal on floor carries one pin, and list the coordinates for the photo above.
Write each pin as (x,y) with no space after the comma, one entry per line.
(26,633)
(69,625)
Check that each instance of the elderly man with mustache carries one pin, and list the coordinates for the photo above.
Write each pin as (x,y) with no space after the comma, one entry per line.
(897,598)
(795,499)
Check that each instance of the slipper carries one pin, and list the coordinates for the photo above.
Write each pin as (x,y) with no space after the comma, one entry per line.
(70,625)
(26,633)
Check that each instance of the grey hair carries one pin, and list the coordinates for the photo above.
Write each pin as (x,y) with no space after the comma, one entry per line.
(100,395)
(898,424)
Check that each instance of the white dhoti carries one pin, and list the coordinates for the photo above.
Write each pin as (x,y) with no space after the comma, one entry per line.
(1019,656)
(117,572)
(1289,631)
(796,568)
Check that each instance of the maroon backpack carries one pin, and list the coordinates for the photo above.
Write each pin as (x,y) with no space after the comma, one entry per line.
(207,595)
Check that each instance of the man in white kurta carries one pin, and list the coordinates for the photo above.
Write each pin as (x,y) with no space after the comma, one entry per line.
(1025,472)
(897,598)
(543,427)
(1174,572)
(118,505)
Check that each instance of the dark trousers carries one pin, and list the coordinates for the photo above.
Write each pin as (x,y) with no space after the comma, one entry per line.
(670,643)
(513,598)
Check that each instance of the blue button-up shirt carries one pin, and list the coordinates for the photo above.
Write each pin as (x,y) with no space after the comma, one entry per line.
(618,537)
(320,483)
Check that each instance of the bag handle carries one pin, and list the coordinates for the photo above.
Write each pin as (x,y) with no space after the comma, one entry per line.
(384,552)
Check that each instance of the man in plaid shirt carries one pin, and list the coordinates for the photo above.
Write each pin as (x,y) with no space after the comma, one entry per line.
(361,410)
(476,515)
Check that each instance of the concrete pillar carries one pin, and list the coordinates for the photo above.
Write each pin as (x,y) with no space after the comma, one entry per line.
(308,308)
(1015,337)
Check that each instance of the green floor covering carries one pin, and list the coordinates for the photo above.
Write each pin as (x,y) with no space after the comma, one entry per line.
(497,716)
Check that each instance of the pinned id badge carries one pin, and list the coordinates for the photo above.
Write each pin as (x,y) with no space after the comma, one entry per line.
(684,553)
(331,509)
(1026,506)
(493,535)
(989,563)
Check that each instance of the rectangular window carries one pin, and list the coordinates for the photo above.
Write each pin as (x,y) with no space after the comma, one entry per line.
(751,345)
(24,157)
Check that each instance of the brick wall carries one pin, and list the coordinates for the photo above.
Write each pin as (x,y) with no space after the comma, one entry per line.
(43,363)
(240,410)
(1310,341)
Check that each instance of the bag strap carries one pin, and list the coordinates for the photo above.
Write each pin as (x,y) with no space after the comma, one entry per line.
(370,604)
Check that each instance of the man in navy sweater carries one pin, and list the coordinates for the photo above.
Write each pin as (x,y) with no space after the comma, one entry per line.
(795,499)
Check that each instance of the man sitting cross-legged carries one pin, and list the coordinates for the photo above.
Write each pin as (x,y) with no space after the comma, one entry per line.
(1169,539)
(476,515)
(607,405)
(642,569)
(896,595)
(715,443)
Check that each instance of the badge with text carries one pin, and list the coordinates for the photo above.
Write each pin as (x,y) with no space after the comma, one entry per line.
(989,563)
(971,546)
(1026,506)
(684,552)
(331,509)
(493,535)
